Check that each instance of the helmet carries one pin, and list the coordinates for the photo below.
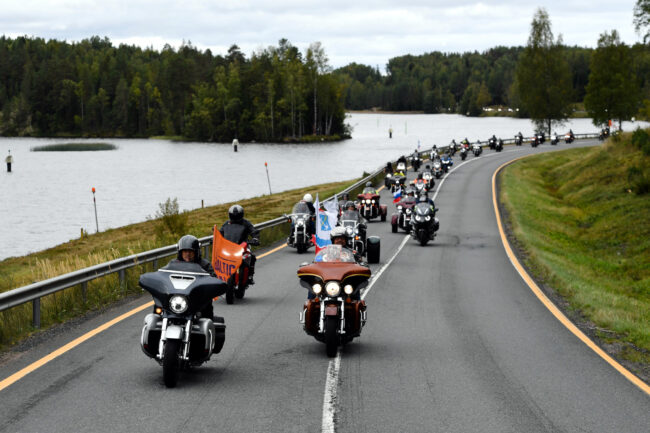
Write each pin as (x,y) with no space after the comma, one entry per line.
(420,176)
(236,213)
(427,166)
(349,204)
(308,198)
(189,242)
(423,197)
(368,183)
(337,232)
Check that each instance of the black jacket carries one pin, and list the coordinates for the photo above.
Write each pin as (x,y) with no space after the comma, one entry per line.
(239,231)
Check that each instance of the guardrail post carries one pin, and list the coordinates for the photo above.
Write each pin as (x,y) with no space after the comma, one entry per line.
(122,277)
(84,291)
(36,313)
(155,264)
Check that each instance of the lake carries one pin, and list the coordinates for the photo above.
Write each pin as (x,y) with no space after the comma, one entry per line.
(47,198)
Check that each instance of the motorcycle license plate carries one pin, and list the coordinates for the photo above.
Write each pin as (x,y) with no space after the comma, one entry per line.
(331,310)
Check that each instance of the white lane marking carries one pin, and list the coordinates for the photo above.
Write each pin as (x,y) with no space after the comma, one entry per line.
(334,366)
(329,401)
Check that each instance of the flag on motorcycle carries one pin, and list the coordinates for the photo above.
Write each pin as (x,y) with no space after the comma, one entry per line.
(325,220)
(397,195)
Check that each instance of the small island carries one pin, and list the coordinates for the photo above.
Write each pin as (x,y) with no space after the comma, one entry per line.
(74,147)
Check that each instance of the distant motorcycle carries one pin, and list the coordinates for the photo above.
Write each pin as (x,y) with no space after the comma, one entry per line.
(555,139)
(534,141)
(519,140)
(402,218)
(416,162)
(541,137)
(424,223)
(437,169)
(176,335)
(300,236)
(463,153)
(492,142)
(233,258)
(499,146)
(569,137)
(446,162)
(396,182)
(477,148)
(334,314)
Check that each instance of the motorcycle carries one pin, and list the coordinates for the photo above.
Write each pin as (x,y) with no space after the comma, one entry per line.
(569,137)
(428,177)
(499,146)
(446,162)
(402,218)
(300,236)
(231,264)
(477,148)
(397,182)
(416,162)
(604,134)
(175,335)
(519,140)
(369,205)
(437,169)
(463,153)
(336,314)
(534,141)
(401,167)
(421,186)
(555,139)
(541,137)
(492,142)
(424,224)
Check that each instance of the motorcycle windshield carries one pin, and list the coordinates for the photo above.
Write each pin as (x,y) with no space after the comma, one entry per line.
(369,190)
(351,216)
(300,208)
(423,209)
(333,254)
(182,278)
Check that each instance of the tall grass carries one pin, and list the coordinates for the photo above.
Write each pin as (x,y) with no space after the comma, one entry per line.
(120,242)
(586,233)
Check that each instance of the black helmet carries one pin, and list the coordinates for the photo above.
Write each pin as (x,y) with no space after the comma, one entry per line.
(189,242)
(236,213)
(349,204)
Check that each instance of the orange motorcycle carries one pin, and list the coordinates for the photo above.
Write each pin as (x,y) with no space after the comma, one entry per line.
(334,313)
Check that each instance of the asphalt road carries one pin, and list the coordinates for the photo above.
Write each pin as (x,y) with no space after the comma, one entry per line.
(455,342)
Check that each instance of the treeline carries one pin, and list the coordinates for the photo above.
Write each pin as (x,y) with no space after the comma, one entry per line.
(92,88)
(463,83)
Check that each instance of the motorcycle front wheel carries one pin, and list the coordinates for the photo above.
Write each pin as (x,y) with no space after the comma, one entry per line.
(331,335)
(170,363)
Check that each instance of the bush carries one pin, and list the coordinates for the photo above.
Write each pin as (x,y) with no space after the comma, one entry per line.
(639,180)
(641,139)
(172,220)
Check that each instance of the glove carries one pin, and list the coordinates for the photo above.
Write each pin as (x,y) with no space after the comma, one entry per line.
(254,242)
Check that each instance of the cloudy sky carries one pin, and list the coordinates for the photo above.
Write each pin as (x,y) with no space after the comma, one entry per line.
(362,31)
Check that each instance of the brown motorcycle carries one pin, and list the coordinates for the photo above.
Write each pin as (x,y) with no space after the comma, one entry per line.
(334,313)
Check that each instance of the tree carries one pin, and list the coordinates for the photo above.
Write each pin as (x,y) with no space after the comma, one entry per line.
(542,76)
(612,91)
(642,18)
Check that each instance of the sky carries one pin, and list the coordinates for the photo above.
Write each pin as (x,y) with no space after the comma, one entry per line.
(361,31)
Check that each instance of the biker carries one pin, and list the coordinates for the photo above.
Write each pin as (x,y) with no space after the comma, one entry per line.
(424,198)
(189,251)
(309,200)
(349,208)
(369,189)
(237,230)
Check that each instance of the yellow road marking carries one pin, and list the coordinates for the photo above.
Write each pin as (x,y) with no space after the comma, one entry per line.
(76,342)
(380,188)
(547,302)
(71,345)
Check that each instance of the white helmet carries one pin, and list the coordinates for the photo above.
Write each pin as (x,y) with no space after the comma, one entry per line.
(308,198)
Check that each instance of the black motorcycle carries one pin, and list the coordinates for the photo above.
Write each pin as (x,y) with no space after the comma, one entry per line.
(437,169)
(446,162)
(492,142)
(463,153)
(416,162)
(301,223)
(569,137)
(477,148)
(541,137)
(424,223)
(499,146)
(519,140)
(555,139)
(176,335)
(535,141)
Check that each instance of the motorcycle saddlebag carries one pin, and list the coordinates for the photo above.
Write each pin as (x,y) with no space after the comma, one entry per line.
(150,338)
(353,316)
(312,316)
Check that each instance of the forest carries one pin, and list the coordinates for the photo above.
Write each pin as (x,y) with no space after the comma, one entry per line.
(92,88)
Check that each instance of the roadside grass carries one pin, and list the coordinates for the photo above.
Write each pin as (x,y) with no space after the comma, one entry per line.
(74,147)
(114,243)
(587,235)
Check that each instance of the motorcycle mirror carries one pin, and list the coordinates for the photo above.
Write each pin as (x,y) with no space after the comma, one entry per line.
(304,264)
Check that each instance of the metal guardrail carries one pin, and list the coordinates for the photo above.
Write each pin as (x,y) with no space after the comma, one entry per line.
(34,292)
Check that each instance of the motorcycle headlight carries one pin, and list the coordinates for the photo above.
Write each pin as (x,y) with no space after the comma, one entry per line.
(368,201)
(348,289)
(373,201)
(178,304)
(316,288)
(418,218)
(300,223)
(349,231)
(427,218)
(399,207)
(408,210)
(333,288)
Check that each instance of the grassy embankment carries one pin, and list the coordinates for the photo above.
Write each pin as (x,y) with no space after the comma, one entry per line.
(121,242)
(582,219)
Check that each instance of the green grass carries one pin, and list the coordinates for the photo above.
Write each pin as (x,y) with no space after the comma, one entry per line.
(74,147)
(587,235)
(120,242)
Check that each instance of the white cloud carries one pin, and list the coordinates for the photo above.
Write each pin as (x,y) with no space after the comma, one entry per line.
(361,31)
